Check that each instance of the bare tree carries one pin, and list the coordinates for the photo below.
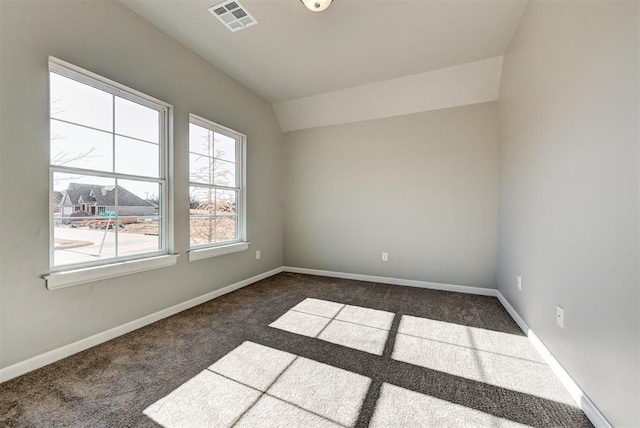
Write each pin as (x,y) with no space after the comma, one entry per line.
(62,157)
(209,202)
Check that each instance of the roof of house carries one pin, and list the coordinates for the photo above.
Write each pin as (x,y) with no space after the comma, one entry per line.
(95,194)
(57,197)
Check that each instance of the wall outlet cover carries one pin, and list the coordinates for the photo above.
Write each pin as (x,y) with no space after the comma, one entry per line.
(560,316)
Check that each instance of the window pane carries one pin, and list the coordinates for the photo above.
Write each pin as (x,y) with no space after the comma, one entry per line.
(201,209)
(138,198)
(138,235)
(201,169)
(137,121)
(225,228)
(213,216)
(138,217)
(200,140)
(79,103)
(224,173)
(202,230)
(202,200)
(76,184)
(83,240)
(80,147)
(137,158)
(225,147)
(82,232)
(225,202)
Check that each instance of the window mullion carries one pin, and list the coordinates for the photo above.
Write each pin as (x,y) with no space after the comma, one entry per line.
(113,168)
(113,132)
(51,221)
(116,226)
(96,173)
(214,186)
(93,128)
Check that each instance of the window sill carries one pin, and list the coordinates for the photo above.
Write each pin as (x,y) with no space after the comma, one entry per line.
(206,253)
(80,276)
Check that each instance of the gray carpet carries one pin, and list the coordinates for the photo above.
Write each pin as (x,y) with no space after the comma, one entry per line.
(299,350)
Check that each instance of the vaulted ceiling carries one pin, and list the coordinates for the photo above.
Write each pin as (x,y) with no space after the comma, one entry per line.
(293,52)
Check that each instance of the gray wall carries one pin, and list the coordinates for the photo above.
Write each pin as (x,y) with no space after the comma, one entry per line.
(422,187)
(568,211)
(109,39)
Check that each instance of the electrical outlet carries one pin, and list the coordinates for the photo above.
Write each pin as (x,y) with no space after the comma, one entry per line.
(519,282)
(560,316)
(257,254)
(385,257)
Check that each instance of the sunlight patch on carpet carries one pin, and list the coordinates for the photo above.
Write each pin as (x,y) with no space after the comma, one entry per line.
(355,327)
(323,308)
(301,323)
(400,407)
(271,412)
(253,365)
(255,385)
(355,336)
(486,357)
(208,399)
(325,390)
(472,337)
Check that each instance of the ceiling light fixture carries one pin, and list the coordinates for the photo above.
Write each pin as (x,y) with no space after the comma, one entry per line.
(317,5)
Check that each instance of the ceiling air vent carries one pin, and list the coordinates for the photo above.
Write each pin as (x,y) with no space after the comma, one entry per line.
(233,15)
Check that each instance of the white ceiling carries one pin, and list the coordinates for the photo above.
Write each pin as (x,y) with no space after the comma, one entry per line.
(293,52)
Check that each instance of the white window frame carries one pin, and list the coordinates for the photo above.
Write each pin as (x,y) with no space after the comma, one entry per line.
(199,252)
(77,273)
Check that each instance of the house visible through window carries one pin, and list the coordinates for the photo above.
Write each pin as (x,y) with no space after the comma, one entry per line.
(216,184)
(108,170)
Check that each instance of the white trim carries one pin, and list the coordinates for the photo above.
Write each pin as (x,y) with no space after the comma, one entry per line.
(587,406)
(396,281)
(42,360)
(90,78)
(516,317)
(221,250)
(69,278)
(206,123)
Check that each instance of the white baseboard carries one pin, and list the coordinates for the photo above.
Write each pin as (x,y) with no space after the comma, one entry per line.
(42,360)
(396,281)
(587,406)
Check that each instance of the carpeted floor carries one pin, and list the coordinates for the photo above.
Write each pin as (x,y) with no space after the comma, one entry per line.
(298,350)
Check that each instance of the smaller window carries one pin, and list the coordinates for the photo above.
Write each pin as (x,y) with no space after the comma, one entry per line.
(217,185)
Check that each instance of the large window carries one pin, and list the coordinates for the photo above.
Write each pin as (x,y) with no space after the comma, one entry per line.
(108,171)
(216,185)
